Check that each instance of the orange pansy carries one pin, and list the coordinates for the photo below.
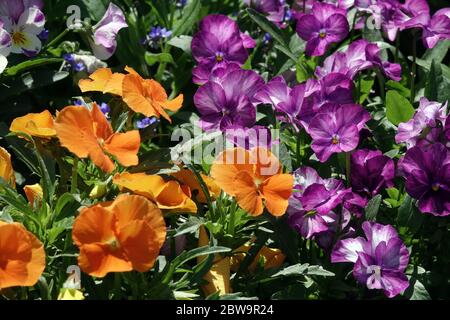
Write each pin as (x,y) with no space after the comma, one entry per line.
(6,169)
(254,178)
(103,80)
(89,134)
(22,256)
(168,195)
(188,178)
(123,235)
(35,124)
(144,96)
(147,96)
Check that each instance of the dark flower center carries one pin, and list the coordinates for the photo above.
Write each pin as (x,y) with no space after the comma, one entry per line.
(435,187)
(219,56)
(322,34)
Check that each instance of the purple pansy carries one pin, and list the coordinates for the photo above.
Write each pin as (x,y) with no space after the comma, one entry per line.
(336,129)
(425,126)
(104,41)
(438,28)
(5,48)
(228,100)
(371,171)
(360,55)
(412,14)
(219,40)
(273,8)
(380,259)
(326,24)
(311,204)
(427,173)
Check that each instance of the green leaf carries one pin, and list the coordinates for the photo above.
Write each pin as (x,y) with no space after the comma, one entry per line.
(274,31)
(419,292)
(438,53)
(372,208)
(190,226)
(365,88)
(397,86)
(30,64)
(409,216)
(437,87)
(302,270)
(198,252)
(191,15)
(153,58)
(182,42)
(398,108)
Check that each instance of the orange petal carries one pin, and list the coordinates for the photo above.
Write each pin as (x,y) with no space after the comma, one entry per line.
(102,127)
(6,169)
(175,104)
(172,197)
(97,80)
(227,165)
(265,161)
(95,224)
(124,147)
(276,191)
(34,193)
(35,124)
(134,96)
(140,183)
(188,178)
(74,128)
(247,195)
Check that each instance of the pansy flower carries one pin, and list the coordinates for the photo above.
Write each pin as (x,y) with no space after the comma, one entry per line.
(219,40)
(123,235)
(336,129)
(371,171)
(187,178)
(274,9)
(312,203)
(6,169)
(412,14)
(5,47)
(24,21)
(144,96)
(87,133)
(104,41)
(325,25)
(427,173)
(380,259)
(168,195)
(428,119)
(22,256)
(34,194)
(229,100)
(360,55)
(35,124)
(254,177)
(438,28)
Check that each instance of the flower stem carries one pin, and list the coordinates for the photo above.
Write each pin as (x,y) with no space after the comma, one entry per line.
(57,39)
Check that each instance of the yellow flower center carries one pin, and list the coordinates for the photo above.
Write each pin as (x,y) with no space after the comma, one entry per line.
(18,38)
(113,244)
(322,34)
(311,213)
(435,187)
(335,139)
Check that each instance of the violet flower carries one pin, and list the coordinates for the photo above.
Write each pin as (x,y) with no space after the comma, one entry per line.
(229,100)
(412,14)
(219,40)
(438,28)
(311,204)
(371,171)
(380,259)
(155,35)
(274,9)
(429,118)
(145,122)
(360,55)
(104,41)
(427,173)
(5,48)
(336,129)
(24,21)
(324,26)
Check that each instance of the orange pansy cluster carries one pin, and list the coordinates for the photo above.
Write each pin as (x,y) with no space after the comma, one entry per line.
(144,96)
(123,235)
(254,177)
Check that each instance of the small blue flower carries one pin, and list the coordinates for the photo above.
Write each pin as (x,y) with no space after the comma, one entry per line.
(78,102)
(77,66)
(155,35)
(145,122)
(267,38)
(104,107)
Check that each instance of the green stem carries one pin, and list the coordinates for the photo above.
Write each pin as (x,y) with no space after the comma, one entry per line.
(203,186)
(298,148)
(413,69)
(381,85)
(231,221)
(57,39)
(397,47)
(74,186)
